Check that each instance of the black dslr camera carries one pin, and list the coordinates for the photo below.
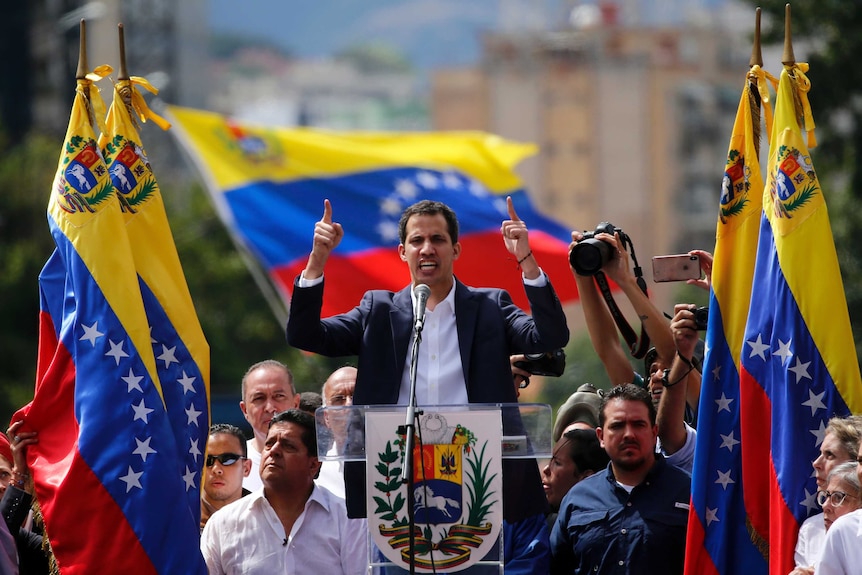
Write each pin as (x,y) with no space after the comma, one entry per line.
(589,255)
(701,318)
(551,364)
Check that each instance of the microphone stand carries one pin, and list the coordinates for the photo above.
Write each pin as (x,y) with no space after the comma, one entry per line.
(410,426)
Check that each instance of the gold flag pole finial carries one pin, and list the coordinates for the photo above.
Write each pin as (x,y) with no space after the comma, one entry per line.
(756,52)
(81,73)
(788,59)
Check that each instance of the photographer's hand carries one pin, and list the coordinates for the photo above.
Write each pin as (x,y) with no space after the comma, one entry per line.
(618,268)
(705,259)
(520,376)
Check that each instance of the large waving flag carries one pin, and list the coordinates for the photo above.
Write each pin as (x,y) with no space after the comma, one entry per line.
(718,541)
(269,185)
(109,478)
(799,365)
(179,345)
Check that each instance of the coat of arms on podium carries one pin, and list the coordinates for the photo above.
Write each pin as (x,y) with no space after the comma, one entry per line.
(457,488)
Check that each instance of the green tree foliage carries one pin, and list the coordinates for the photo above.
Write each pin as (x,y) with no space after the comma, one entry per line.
(375,58)
(829,30)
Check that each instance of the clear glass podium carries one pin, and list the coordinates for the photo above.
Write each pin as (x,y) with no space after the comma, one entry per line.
(456,478)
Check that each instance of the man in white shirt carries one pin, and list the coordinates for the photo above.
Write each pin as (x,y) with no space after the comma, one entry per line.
(337,392)
(267,389)
(291,525)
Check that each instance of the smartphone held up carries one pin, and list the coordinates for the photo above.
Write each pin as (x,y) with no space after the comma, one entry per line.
(675,268)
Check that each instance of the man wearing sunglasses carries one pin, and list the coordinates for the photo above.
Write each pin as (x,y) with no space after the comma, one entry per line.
(225,467)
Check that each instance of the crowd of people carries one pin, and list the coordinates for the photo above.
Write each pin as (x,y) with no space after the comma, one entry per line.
(614,496)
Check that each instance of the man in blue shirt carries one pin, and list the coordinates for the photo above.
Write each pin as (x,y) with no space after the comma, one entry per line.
(631,517)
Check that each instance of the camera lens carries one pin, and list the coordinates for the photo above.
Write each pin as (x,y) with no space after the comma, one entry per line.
(589,255)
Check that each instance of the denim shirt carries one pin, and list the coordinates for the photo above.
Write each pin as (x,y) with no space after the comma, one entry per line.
(603,529)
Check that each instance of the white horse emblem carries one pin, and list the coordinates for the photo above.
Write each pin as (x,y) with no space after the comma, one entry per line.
(425,498)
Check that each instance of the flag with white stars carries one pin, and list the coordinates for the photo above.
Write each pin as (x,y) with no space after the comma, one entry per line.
(180,348)
(111,476)
(717,540)
(799,364)
(269,184)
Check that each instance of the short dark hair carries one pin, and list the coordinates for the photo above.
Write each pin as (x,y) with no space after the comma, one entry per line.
(429,208)
(302,419)
(627,392)
(229,429)
(309,401)
(586,451)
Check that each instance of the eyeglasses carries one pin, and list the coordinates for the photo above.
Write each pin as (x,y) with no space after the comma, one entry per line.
(340,400)
(836,498)
(226,459)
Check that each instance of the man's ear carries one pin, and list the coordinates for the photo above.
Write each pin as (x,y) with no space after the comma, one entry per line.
(246,467)
(244,410)
(456,250)
(599,435)
(296,400)
(401,253)
(314,466)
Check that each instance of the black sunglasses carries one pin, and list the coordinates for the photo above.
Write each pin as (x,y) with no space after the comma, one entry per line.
(226,459)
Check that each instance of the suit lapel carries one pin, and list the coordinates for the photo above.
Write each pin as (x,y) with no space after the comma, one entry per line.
(401,320)
(466,313)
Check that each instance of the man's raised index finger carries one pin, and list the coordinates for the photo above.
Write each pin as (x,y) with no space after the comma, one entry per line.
(327,212)
(512,214)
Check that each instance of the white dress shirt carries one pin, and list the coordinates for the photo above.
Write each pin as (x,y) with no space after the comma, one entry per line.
(332,474)
(252,482)
(247,537)
(842,550)
(809,542)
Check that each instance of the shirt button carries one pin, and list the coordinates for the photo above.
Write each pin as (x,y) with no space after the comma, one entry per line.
(623,531)
(629,504)
(622,563)
(433,357)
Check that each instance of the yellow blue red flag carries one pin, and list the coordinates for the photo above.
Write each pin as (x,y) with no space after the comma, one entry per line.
(180,348)
(107,471)
(269,184)
(718,542)
(799,365)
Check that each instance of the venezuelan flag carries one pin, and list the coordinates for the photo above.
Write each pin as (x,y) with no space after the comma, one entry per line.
(717,540)
(799,365)
(107,471)
(178,342)
(269,186)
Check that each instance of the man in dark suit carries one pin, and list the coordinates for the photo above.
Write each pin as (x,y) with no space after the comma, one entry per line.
(468,337)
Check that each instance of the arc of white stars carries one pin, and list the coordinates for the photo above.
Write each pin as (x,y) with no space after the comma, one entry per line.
(783,351)
(189,478)
(815,401)
(91,333)
(390,207)
(143,449)
(478,189)
(188,383)
(501,206)
(800,370)
(132,479)
(724,478)
(388,230)
(133,381)
(116,351)
(142,412)
(723,403)
(451,181)
(758,348)
(168,355)
(715,372)
(193,415)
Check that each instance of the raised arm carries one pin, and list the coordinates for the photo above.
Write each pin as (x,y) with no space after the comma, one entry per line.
(671,408)
(327,236)
(601,326)
(517,241)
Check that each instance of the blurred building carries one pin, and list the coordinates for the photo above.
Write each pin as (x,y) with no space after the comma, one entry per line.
(633,121)
(164,43)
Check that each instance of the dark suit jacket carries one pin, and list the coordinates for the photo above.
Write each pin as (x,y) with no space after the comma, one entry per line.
(490,329)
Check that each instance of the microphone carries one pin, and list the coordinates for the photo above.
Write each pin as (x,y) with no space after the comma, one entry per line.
(284,543)
(421,292)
